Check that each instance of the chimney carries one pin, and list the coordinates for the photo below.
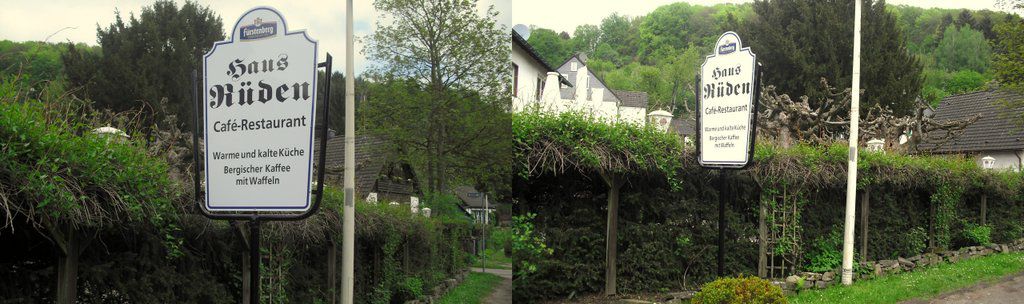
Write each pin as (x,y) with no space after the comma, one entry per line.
(582,84)
(551,94)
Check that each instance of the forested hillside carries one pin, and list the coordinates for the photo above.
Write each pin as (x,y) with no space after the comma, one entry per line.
(908,52)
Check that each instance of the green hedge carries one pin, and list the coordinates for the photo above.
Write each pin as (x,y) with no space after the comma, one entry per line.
(150,245)
(668,222)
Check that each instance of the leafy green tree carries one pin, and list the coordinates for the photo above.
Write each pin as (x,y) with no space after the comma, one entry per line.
(552,48)
(443,90)
(337,115)
(680,75)
(799,42)
(1008,63)
(619,34)
(36,62)
(963,48)
(147,58)
(670,26)
(585,39)
(965,81)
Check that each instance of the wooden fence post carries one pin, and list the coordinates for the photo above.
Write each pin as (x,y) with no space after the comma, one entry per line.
(984,207)
(864,209)
(762,232)
(614,182)
(931,225)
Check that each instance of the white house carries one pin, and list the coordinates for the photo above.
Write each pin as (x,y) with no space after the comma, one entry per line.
(529,74)
(589,94)
(577,89)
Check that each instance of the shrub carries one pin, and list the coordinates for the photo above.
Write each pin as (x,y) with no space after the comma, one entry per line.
(977,234)
(824,254)
(914,241)
(739,290)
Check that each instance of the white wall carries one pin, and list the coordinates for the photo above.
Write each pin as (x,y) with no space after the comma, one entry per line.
(1005,160)
(633,115)
(529,71)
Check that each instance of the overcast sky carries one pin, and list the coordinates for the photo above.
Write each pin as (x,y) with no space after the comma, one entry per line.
(25,20)
(33,20)
(565,15)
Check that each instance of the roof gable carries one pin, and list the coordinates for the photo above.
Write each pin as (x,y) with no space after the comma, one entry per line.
(374,158)
(594,82)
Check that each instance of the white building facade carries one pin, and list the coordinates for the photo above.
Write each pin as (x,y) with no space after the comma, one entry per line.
(575,89)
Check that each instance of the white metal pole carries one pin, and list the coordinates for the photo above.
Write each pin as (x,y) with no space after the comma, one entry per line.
(487,217)
(851,177)
(349,210)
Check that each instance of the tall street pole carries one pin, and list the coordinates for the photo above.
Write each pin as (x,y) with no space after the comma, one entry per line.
(851,168)
(349,211)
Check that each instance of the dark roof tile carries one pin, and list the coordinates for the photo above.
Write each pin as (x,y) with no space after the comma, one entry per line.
(371,156)
(996,128)
(632,98)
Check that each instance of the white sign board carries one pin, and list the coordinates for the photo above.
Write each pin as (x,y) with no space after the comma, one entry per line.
(726,105)
(259,99)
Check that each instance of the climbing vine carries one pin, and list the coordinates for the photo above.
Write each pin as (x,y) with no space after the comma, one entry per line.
(945,200)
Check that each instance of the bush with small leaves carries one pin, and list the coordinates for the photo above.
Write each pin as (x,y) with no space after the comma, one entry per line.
(739,290)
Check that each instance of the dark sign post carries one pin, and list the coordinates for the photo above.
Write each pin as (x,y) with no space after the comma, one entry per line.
(259,113)
(728,87)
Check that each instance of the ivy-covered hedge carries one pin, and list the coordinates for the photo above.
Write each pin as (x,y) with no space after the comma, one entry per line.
(668,220)
(148,242)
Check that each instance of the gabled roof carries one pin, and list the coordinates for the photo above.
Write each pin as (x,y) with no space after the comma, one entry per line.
(996,129)
(625,98)
(471,197)
(632,98)
(684,126)
(521,42)
(372,154)
(566,70)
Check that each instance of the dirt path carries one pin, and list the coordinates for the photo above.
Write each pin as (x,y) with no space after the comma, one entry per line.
(502,293)
(1006,290)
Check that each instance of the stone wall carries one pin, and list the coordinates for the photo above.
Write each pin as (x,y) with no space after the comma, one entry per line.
(886,267)
(441,289)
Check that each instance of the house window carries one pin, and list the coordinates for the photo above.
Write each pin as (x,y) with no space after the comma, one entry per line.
(540,87)
(573,66)
(515,80)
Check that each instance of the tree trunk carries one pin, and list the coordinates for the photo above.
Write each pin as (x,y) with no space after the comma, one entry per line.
(614,183)
(442,159)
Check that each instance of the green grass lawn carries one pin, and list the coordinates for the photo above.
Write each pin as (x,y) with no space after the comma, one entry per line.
(495,259)
(922,283)
(473,290)
(491,264)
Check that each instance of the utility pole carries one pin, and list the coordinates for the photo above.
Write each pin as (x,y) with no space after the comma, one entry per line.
(851,168)
(349,211)
(487,217)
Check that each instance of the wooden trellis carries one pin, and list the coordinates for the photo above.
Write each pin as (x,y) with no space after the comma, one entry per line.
(779,232)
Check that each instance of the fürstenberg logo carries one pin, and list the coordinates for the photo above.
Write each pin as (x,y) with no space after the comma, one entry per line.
(258,29)
(727,48)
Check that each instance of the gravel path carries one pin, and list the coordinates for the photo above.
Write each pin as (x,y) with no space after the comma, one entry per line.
(502,294)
